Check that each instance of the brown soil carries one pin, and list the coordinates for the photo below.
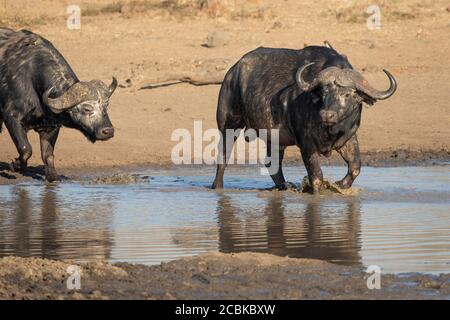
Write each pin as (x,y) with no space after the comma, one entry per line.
(211,276)
(137,40)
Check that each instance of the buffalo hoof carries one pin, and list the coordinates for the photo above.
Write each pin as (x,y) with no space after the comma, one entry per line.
(17,166)
(342,184)
(51,175)
(217,186)
(287,186)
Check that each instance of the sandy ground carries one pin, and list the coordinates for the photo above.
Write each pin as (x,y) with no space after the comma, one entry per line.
(211,276)
(150,41)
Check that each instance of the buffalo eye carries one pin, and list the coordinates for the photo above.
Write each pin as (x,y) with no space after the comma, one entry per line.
(326,92)
(315,97)
(87,109)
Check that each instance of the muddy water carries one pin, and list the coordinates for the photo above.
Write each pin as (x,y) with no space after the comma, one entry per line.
(400,220)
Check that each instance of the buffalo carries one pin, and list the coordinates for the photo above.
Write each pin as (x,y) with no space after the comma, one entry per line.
(39,91)
(313,96)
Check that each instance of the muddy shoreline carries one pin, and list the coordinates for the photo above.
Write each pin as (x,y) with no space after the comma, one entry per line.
(211,276)
(391,158)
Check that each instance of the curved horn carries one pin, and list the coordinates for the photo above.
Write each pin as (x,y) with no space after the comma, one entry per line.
(305,86)
(328,45)
(112,87)
(364,86)
(76,94)
(50,102)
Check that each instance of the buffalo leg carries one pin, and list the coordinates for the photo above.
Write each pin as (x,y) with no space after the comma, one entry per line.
(48,141)
(222,165)
(278,177)
(20,139)
(311,161)
(226,119)
(350,153)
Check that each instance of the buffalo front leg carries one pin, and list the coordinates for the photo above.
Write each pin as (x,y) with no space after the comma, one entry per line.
(48,141)
(311,161)
(350,153)
(19,136)
(275,168)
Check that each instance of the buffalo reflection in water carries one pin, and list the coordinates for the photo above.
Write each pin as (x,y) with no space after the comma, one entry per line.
(316,231)
(44,227)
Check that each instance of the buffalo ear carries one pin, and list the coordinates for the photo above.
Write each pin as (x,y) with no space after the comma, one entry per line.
(366,99)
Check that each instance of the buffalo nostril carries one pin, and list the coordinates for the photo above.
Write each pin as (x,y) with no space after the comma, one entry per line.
(329,116)
(108,132)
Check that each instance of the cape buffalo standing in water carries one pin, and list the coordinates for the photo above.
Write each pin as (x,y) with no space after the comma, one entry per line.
(39,91)
(313,96)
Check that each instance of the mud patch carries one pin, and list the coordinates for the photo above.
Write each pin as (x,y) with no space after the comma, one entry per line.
(211,276)
(119,178)
(328,187)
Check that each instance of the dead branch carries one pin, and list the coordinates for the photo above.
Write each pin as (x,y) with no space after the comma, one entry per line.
(196,79)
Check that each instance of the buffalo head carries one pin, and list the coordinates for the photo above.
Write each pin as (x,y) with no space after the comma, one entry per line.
(341,91)
(87,103)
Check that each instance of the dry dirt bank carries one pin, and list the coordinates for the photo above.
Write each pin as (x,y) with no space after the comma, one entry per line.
(144,41)
(211,276)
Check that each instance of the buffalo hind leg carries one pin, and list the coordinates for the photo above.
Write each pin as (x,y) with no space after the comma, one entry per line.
(222,163)
(311,161)
(48,141)
(20,139)
(228,117)
(350,153)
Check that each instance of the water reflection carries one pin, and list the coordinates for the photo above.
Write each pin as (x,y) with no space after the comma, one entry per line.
(49,225)
(41,225)
(400,221)
(21,242)
(313,231)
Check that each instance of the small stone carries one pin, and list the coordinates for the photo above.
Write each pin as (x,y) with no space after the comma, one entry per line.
(77,296)
(125,9)
(218,39)
(169,296)
(200,278)
(419,32)
(431,285)
(277,24)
